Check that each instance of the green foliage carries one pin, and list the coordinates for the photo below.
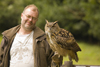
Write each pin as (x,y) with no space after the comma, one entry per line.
(0,39)
(9,13)
(81,17)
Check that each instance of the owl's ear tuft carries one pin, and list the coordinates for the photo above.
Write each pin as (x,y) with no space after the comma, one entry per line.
(46,21)
(55,22)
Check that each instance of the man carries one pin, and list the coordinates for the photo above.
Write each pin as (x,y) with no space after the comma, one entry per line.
(25,45)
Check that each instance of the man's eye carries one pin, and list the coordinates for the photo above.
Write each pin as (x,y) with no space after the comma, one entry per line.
(28,16)
(34,18)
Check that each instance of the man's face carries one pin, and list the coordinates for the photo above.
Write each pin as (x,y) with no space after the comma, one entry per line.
(28,19)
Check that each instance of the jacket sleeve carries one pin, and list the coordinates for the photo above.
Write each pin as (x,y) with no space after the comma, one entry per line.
(49,53)
(51,57)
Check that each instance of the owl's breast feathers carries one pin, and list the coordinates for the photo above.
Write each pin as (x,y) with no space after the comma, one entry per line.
(66,40)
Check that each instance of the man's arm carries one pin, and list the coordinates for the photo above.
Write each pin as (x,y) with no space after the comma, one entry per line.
(53,60)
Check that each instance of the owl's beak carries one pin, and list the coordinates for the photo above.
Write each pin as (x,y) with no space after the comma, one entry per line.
(49,29)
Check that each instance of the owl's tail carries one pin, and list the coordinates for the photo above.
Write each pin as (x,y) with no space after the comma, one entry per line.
(73,55)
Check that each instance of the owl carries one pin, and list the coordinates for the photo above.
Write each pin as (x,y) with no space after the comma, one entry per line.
(61,41)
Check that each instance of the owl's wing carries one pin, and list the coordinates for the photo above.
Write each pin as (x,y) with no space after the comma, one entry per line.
(66,40)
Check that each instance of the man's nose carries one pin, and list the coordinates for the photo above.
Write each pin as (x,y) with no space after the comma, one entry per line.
(30,18)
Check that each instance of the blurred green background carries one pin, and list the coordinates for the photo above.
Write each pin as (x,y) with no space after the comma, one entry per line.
(80,17)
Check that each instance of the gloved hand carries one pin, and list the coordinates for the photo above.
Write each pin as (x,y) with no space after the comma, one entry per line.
(56,60)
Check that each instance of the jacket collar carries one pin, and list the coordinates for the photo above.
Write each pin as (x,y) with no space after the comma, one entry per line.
(38,33)
(11,32)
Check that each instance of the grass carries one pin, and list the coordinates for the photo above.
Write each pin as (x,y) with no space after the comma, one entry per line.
(90,54)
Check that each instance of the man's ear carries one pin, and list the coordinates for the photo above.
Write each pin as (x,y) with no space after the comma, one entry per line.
(21,15)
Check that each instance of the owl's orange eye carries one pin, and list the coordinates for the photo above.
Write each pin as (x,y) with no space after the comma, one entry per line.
(47,25)
(53,26)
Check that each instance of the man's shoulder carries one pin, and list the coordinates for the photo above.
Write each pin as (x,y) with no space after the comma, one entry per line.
(11,30)
(39,29)
(39,33)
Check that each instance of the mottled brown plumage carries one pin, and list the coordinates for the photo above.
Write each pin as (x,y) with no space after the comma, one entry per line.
(61,41)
